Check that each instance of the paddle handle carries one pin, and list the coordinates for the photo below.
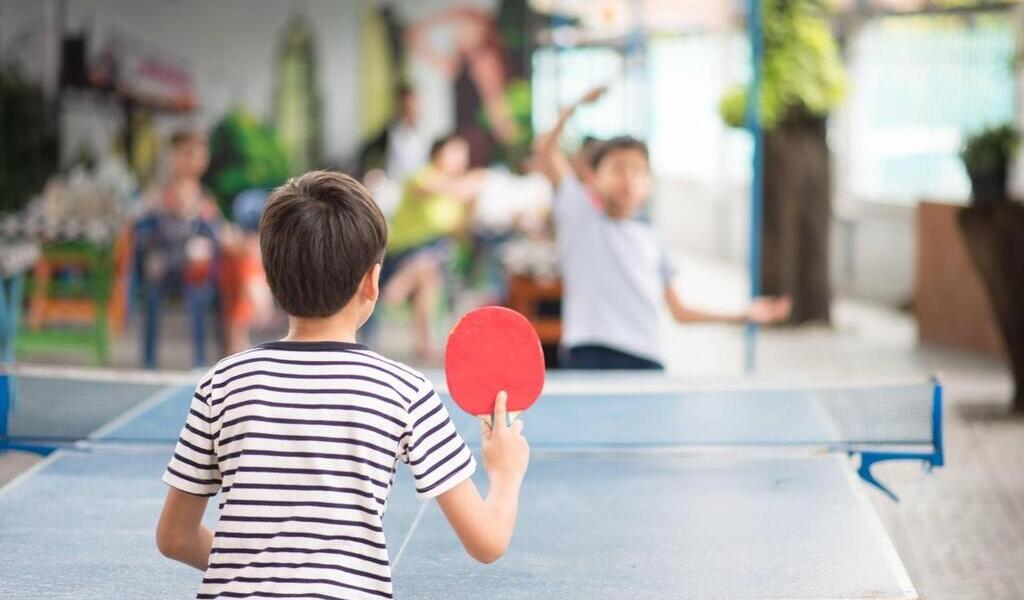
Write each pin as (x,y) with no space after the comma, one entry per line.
(512,416)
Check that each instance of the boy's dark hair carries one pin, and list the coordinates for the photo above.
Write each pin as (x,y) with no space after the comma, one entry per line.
(441,142)
(403,90)
(622,142)
(319,235)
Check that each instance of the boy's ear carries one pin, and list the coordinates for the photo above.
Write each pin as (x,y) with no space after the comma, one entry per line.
(370,287)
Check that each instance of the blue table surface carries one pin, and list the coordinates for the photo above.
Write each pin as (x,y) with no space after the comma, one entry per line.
(596,524)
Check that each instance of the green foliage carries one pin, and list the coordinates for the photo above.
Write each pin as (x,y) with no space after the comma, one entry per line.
(28,140)
(519,100)
(802,68)
(244,154)
(990,150)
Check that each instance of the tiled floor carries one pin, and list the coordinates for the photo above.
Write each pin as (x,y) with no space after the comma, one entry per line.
(960,530)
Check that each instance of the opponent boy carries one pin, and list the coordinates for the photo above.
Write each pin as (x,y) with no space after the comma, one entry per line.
(615,273)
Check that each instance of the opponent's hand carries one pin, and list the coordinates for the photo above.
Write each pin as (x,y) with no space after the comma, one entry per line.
(766,310)
(506,452)
(593,95)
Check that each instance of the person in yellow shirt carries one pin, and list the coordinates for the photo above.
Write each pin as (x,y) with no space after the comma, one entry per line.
(434,207)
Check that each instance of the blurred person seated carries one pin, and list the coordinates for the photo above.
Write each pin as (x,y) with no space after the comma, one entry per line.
(433,211)
(402,147)
(176,248)
(408,148)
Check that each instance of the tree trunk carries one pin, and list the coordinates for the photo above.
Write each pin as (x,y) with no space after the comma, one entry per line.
(797,217)
(995,241)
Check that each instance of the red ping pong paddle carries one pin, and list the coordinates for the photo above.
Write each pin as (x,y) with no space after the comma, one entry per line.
(489,350)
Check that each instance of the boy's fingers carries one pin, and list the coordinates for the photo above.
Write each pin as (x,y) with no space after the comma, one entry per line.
(500,410)
(517,426)
(485,428)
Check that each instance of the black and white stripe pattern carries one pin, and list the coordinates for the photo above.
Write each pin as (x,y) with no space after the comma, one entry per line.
(302,440)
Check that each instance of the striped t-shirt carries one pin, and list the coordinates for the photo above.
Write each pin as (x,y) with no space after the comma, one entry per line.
(302,440)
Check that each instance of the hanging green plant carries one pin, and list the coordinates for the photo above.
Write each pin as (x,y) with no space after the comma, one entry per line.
(244,154)
(802,68)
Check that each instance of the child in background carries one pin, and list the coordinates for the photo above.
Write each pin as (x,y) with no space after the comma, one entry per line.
(433,210)
(177,248)
(616,274)
(302,436)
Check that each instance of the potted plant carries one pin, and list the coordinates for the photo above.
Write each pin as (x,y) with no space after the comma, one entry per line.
(993,230)
(986,156)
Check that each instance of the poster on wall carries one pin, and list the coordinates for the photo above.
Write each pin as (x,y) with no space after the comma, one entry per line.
(471,60)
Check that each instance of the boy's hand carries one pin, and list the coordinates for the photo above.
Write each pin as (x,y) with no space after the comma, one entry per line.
(765,310)
(593,95)
(485,526)
(506,453)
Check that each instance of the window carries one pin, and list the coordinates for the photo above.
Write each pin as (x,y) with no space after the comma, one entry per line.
(688,138)
(918,85)
(670,99)
(562,76)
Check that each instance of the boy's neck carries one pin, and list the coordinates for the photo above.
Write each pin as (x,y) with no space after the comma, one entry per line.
(339,327)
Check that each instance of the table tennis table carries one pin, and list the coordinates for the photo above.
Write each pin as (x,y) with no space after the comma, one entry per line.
(638,487)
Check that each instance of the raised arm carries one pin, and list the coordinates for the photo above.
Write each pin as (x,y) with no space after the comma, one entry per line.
(484,526)
(464,187)
(550,159)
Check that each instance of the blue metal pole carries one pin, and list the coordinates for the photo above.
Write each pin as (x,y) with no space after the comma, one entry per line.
(5,405)
(756,34)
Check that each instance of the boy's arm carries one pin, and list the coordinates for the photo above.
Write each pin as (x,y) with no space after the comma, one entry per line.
(193,475)
(763,310)
(550,159)
(485,526)
(180,534)
(463,187)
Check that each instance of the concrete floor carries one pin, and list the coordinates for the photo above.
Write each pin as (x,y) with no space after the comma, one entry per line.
(960,530)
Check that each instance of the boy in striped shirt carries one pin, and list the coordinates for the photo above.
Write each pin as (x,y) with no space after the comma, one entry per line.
(301,437)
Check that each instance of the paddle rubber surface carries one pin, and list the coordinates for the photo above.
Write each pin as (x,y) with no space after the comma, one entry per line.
(492,349)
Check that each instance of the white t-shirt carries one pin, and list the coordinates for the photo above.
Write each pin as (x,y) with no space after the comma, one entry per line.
(302,440)
(614,274)
(408,151)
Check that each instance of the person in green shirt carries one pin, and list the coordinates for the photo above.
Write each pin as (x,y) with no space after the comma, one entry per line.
(435,206)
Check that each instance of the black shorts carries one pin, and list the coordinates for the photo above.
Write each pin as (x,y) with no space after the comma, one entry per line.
(593,356)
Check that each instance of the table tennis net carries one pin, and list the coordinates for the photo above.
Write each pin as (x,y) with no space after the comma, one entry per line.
(590,414)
